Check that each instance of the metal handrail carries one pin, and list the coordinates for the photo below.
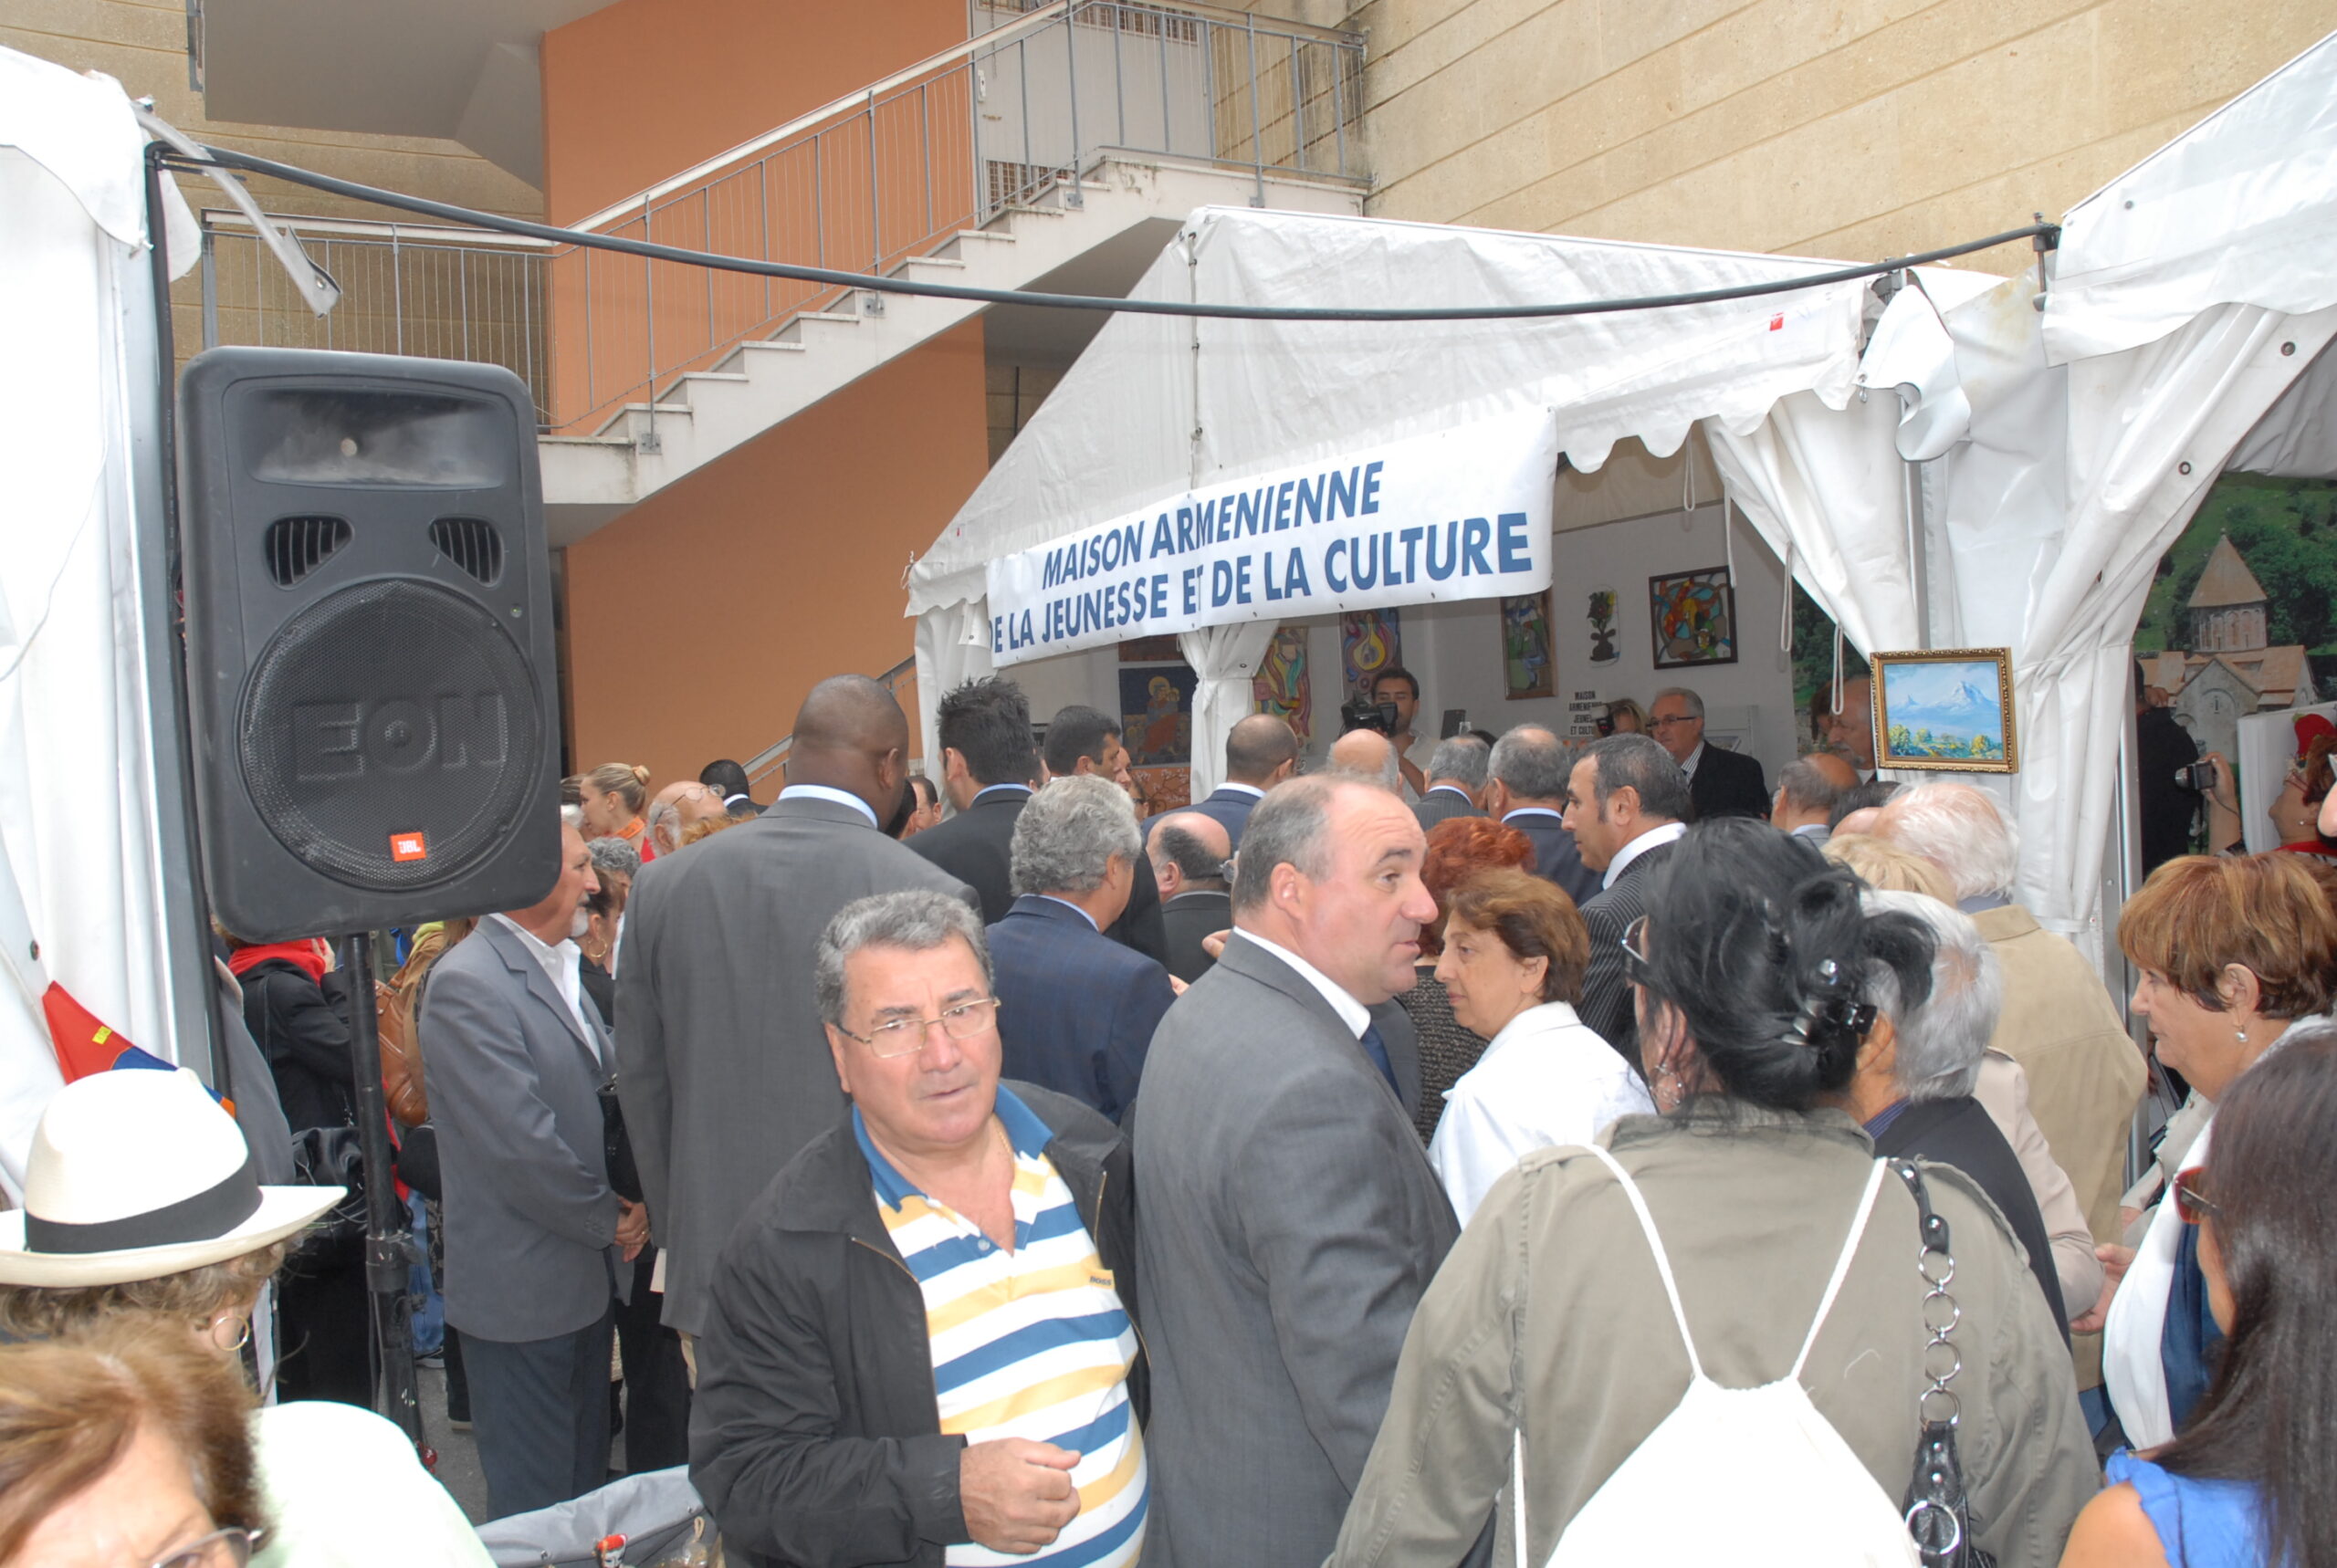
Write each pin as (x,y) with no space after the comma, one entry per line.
(760,765)
(892,175)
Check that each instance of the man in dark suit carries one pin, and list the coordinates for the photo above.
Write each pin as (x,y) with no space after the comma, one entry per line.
(515,1056)
(988,766)
(1087,740)
(1077,1010)
(1527,790)
(1290,1218)
(1261,753)
(1626,805)
(1720,783)
(1456,781)
(723,1061)
(1188,853)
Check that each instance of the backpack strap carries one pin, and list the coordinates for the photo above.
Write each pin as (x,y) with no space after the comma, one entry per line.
(1842,1264)
(1663,1263)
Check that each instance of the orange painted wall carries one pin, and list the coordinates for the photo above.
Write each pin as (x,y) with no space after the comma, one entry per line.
(645,88)
(699,619)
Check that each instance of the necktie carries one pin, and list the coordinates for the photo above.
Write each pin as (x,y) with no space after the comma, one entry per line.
(1376,1049)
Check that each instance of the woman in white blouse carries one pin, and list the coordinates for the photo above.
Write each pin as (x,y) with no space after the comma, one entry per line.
(1515,952)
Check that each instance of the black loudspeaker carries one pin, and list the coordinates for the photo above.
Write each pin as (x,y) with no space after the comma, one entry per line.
(369,651)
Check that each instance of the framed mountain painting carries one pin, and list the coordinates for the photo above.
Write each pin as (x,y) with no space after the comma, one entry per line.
(1945,709)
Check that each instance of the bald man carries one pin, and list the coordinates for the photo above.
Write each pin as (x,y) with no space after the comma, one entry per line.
(1261,751)
(1189,851)
(722,1064)
(676,809)
(1369,755)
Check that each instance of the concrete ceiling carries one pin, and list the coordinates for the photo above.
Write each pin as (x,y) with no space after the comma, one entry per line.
(464,71)
(1033,335)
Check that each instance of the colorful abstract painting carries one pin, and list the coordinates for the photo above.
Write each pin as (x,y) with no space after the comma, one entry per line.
(1284,684)
(1694,617)
(1370,641)
(1156,714)
(1529,667)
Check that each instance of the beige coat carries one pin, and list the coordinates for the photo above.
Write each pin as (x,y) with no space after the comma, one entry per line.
(1550,1305)
(2003,1093)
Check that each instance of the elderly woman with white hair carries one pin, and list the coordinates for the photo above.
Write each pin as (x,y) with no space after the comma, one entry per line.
(1911,1087)
(2085,1075)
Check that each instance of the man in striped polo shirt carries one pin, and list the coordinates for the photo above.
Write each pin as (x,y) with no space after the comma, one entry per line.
(920,1348)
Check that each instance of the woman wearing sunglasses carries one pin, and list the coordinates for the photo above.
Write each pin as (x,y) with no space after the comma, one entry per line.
(2232,950)
(1739,1252)
(2249,1481)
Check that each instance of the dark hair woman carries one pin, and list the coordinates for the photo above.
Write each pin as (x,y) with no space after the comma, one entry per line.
(1665,1276)
(2248,1479)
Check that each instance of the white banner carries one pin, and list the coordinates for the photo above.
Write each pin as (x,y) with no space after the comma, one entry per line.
(1461,514)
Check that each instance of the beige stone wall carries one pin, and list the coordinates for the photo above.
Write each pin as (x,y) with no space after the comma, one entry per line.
(142,44)
(1841,127)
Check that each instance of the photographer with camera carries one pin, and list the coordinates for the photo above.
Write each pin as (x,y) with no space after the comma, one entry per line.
(1397,690)
(2169,775)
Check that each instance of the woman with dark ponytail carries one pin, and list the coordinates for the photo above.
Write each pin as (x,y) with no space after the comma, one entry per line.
(1704,1340)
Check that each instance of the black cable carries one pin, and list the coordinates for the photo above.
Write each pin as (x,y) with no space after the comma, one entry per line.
(226,158)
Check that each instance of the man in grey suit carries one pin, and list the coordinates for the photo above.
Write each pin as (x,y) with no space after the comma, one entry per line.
(514,1057)
(1456,781)
(722,1064)
(1291,1220)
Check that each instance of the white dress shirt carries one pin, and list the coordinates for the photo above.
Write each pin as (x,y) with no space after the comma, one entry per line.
(841,797)
(1249,789)
(1689,766)
(1352,1013)
(1547,1081)
(1668,833)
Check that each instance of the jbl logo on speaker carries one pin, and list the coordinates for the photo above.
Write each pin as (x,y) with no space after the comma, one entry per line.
(409,847)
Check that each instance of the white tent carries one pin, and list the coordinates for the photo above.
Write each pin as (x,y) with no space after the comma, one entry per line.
(84,836)
(1159,404)
(2058,453)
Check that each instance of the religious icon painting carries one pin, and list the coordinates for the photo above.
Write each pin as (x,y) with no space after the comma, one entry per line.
(1283,684)
(1528,662)
(1603,644)
(1693,615)
(1156,714)
(1370,641)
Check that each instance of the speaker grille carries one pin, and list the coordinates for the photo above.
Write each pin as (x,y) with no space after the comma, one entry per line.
(472,544)
(298,546)
(390,717)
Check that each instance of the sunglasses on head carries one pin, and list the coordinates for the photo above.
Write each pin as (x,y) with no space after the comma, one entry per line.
(2192,1203)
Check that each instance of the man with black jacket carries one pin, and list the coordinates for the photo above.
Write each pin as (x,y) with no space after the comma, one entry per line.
(1626,805)
(1720,783)
(954,1261)
(988,766)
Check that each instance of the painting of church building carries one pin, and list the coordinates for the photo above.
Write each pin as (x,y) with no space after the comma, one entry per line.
(2228,670)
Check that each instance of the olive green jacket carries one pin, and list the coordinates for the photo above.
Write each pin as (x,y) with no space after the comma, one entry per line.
(1550,1305)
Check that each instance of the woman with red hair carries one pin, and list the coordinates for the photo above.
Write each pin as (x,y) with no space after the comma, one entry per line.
(1458,849)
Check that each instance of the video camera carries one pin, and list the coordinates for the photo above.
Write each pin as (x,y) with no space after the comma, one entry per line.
(1362,713)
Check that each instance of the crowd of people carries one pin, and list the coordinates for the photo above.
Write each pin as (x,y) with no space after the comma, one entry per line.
(1497,1148)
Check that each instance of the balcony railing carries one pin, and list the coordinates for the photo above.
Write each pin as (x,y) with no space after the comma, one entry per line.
(1011,118)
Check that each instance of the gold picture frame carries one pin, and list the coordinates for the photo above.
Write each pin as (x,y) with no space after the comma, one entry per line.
(1945,710)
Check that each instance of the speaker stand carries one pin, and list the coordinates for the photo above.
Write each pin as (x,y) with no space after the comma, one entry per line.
(388,1250)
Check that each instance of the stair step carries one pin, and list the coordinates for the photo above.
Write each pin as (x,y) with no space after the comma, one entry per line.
(900,269)
(737,354)
(794,331)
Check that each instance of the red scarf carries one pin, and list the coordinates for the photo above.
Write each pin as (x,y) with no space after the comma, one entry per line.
(303,952)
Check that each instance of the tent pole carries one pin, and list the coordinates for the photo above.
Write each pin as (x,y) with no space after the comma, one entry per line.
(1918,564)
(191,986)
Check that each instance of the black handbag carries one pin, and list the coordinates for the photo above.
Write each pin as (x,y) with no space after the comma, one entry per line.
(1939,1512)
(624,1175)
(332,1157)
(417,1161)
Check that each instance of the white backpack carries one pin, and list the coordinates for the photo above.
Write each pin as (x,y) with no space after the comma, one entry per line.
(1747,1477)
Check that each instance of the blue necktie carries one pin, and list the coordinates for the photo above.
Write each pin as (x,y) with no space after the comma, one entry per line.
(1376,1049)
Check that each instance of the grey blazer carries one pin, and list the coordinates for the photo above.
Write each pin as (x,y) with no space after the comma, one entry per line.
(722,1065)
(514,1083)
(1290,1222)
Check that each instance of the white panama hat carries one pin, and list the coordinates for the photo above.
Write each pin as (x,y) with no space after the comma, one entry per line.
(136,1173)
